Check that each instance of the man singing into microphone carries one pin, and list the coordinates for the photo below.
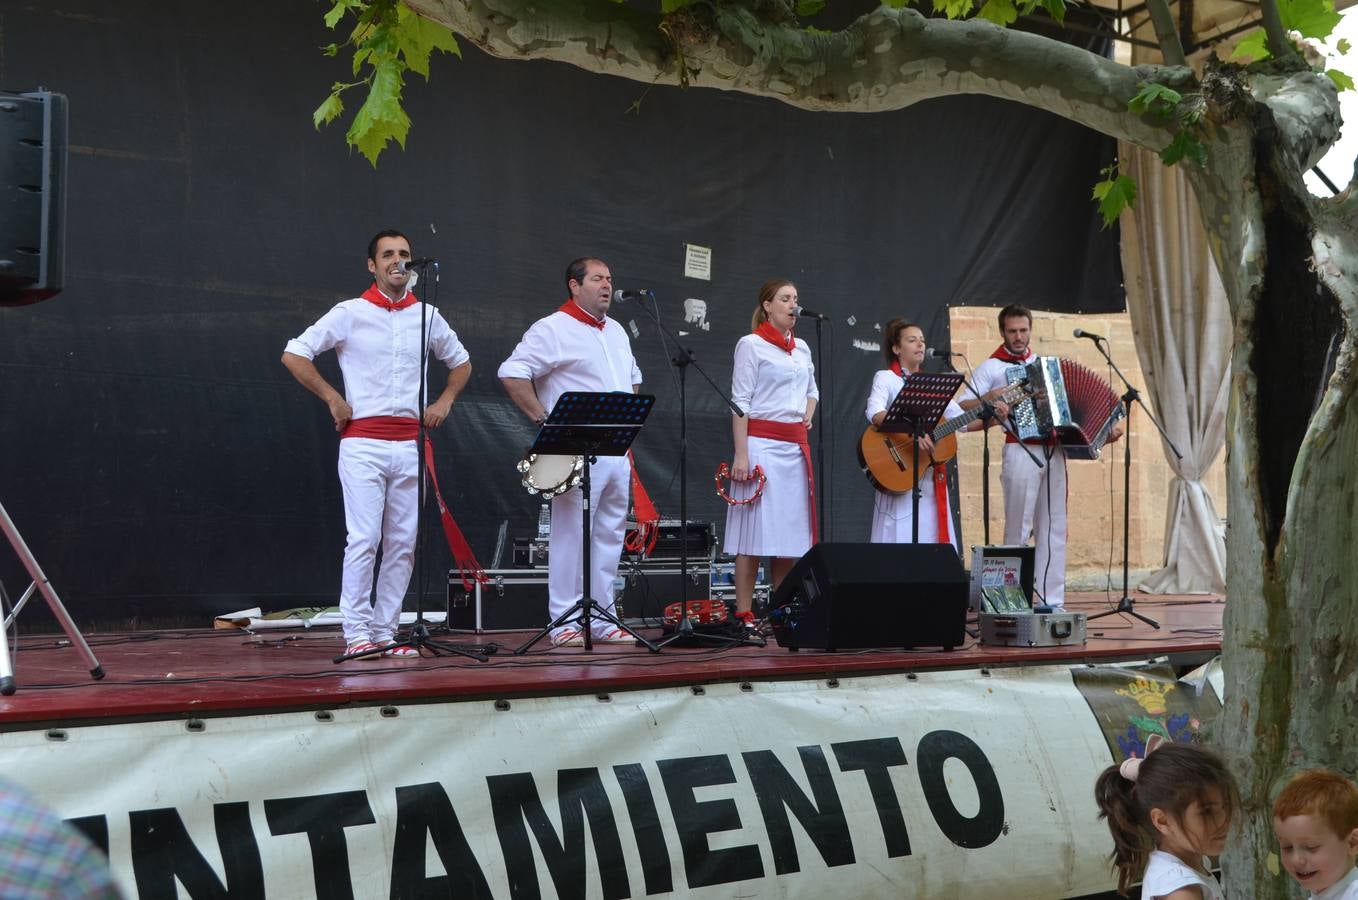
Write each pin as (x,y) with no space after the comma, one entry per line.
(578,348)
(376,338)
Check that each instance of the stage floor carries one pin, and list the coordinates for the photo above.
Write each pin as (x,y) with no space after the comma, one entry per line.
(169,674)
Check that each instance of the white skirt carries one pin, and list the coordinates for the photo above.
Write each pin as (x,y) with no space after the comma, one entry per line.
(779,522)
(892,516)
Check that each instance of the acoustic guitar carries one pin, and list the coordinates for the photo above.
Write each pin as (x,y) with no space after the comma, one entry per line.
(886,458)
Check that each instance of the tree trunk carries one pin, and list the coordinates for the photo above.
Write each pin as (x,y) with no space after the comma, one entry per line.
(1289,264)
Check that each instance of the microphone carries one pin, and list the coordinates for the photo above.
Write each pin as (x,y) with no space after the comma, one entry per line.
(621,296)
(406,265)
(802,312)
(1080,332)
(935,353)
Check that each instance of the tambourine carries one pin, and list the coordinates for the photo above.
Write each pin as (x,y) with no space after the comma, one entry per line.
(550,474)
(699,612)
(724,471)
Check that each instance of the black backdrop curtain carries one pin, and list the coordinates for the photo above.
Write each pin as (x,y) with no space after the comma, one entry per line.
(160,461)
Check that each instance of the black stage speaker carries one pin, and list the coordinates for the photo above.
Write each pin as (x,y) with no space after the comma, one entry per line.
(32,196)
(853,596)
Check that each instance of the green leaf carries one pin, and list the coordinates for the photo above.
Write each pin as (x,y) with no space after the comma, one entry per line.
(1155,99)
(1313,18)
(1056,9)
(1343,46)
(1184,146)
(669,6)
(1253,47)
(1114,195)
(1001,12)
(381,119)
(809,7)
(1342,81)
(417,37)
(337,12)
(328,111)
(957,9)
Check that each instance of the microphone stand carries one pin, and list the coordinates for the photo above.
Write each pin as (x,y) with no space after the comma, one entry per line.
(419,638)
(1126,605)
(683,358)
(825,526)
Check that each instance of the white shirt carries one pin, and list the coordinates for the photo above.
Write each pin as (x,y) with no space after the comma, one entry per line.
(1345,888)
(886,384)
(990,374)
(559,353)
(770,383)
(379,353)
(1166,873)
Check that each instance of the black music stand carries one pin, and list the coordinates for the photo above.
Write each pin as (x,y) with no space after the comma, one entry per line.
(590,424)
(916,409)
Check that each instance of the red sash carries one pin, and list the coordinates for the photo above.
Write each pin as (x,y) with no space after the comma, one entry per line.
(648,517)
(377,298)
(383,428)
(896,367)
(792,433)
(572,309)
(407,428)
(775,337)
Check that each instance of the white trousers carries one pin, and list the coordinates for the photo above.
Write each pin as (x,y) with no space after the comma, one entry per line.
(1035,506)
(610,482)
(381,498)
(892,515)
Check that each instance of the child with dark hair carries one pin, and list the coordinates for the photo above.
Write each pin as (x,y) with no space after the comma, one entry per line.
(1316,821)
(1166,812)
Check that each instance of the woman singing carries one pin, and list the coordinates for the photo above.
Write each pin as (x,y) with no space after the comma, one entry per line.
(891,513)
(774,381)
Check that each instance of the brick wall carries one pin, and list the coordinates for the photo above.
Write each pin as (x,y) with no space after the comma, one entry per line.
(1095,502)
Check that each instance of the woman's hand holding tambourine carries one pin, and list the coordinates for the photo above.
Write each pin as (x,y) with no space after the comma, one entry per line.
(725,471)
(740,467)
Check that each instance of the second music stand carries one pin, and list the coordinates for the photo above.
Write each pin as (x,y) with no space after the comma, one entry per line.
(919,405)
(590,424)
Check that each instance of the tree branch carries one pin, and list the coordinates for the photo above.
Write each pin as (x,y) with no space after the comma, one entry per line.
(1278,44)
(1167,32)
(885,60)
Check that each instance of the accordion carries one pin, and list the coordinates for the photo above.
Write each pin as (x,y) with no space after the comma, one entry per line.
(1072,404)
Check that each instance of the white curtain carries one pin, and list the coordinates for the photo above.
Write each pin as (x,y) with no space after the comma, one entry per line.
(1182,323)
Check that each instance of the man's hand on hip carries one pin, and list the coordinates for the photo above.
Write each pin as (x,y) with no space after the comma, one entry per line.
(341,412)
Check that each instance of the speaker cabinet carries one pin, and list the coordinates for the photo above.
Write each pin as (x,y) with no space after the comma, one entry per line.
(855,596)
(32,196)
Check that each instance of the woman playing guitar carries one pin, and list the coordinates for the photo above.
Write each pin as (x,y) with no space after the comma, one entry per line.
(891,514)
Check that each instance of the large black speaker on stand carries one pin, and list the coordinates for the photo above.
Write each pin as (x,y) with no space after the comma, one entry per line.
(32,196)
(856,596)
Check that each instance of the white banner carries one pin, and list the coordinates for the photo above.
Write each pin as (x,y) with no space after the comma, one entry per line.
(944,784)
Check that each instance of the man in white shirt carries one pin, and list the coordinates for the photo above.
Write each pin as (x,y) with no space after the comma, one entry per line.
(578,348)
(376,338)
(1034,498)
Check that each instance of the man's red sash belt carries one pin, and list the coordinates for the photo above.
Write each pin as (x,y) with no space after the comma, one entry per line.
(792,433)
(407,428)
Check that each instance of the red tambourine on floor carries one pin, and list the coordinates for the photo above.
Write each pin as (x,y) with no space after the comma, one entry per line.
(699,612)
(724,472)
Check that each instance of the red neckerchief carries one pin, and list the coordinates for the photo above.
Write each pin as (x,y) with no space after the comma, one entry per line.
(572,309)
(896,367)
(774,337)
(1004,355)
(377,298)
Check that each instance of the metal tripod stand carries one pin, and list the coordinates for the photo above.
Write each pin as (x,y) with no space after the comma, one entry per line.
(42,585)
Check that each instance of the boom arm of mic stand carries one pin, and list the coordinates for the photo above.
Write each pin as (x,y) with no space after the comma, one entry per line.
(1003,421)
(1134,394)
(684,357)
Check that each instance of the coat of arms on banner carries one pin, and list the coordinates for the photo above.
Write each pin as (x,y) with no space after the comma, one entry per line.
(1132,703)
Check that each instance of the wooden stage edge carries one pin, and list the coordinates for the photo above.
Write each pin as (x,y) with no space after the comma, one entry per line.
(205,672)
